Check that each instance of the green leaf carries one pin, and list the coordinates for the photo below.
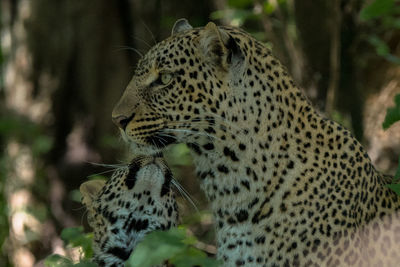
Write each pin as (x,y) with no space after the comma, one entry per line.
(376,9)
(381,47)
(189,240)
(75,237)
(56,260)
(269,7)
(86,263)
(392,58)
(193,257)
(161,245)
(178,155)
(395,188)
(392,114)
(75,195)
(173,245)
(71,233)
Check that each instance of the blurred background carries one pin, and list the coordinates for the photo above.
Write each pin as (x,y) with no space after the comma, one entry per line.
(65,63)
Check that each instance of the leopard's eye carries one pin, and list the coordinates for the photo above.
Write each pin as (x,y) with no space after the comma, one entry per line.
(165,78)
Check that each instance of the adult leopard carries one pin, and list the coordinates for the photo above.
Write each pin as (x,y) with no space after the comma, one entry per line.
(287,186)
(136,200)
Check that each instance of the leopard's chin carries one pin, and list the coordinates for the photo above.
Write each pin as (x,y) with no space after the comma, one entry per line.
(160,141)
(143,149)
(153,145)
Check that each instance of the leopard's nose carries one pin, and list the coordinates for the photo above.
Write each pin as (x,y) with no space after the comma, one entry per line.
(121,121)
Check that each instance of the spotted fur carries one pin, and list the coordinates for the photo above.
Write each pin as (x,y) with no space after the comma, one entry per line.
(287,186)
(135,201)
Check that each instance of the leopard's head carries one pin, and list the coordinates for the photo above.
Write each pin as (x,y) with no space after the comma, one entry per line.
(183,87)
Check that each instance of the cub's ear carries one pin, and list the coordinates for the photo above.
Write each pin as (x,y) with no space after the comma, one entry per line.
(219,47)
(90,190)
(180,26)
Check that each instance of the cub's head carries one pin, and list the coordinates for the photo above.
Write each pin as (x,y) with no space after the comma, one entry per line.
(182,86)
(136,200)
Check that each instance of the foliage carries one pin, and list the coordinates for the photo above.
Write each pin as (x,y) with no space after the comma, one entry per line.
(19,129)
(56,260)
(382,49)
(76,238)
(377,8)
(384,17)
(172,245)
(239,12)
(395,186)
(25,131)
(392,116)
(178,155)
(385,14)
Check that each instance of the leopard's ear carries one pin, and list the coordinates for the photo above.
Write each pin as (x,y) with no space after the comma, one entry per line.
(180,26)
(90,190)
(218,46)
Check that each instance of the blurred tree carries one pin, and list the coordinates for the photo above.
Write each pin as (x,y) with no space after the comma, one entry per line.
(66,64)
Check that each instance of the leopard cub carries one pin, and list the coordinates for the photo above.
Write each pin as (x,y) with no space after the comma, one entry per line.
(135,201)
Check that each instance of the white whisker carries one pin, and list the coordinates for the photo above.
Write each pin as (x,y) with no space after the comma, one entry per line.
(193,133)
(101,173)
(84,213)
(151,33)
(111,166)
(184,193)
(229,127)
(143,41)
(129,48)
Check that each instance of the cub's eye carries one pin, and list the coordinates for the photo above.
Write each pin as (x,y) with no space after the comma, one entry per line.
(165,78)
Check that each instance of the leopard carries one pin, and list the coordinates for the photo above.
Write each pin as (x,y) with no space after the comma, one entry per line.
(135,201)
(286,185)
